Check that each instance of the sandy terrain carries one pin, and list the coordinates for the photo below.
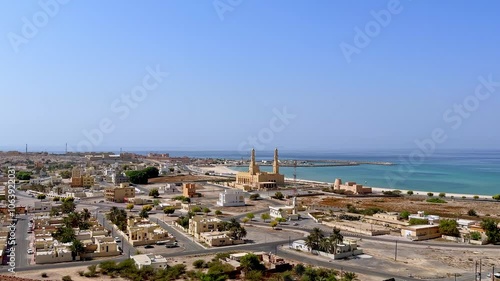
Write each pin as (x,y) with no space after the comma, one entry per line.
(413,204)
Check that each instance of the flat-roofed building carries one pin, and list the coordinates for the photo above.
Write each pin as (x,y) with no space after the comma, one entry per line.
(189,190)
(155,261)
(231,198)
(421,232)
(119,194)
(199,224)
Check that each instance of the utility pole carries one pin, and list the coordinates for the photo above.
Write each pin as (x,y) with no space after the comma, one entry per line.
(396,251)
(480,268)
(475,270)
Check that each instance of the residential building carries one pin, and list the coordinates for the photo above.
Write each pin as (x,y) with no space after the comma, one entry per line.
(432,219)
(288,212)
(255,179)
(119,194)
(119,178)
(155,261)
(144,232)
(217,239)
(189,190)
(199,224)
(420,232)
(78,179)
(351,187)
(230,198)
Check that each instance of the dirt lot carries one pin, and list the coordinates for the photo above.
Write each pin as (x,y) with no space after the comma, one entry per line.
(453,208)
(184,178)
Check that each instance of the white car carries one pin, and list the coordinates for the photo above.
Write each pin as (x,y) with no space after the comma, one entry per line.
(117,239)
(30,251)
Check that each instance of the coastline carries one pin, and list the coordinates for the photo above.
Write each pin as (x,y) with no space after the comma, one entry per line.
(221,169)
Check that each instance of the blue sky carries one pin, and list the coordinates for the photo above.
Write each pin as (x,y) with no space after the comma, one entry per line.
(228,76)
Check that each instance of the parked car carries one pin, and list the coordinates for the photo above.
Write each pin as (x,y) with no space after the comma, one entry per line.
(117,239)
(30,251)
(149,246)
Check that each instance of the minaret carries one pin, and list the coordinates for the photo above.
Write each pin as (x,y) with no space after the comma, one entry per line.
(251,169)
(276,165)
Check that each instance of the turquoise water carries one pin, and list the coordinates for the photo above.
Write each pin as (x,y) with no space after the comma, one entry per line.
(463,172)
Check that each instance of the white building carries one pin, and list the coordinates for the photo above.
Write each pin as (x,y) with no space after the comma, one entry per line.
(230,198)
(287,212)
(155,261)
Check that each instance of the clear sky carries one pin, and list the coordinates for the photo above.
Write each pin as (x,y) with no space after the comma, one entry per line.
(233,64)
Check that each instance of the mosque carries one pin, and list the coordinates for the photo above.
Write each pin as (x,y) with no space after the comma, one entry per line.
(254,179)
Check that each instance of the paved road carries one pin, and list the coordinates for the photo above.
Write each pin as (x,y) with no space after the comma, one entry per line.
(22,240)
(184,241)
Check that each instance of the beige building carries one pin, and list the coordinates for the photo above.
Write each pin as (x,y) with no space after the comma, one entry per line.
(218,239)
(420,232)
(255,179)
(351,187)
(199,224)
(78,179)
(119,194)
(144,232)
(189,190)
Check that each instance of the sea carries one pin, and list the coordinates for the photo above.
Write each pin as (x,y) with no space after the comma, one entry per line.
(464,172)
(475,172)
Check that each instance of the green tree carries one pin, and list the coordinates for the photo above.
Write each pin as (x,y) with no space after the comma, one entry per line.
(206,210)
(77,248)
(265,216)
(151,172)
(273,224)
(491,228)
(476,197)
(218,212)
(496,197)
(442,194)
(409,192)
(280,220)
(169,210)
(41,197)
(137,177)
(250,262)
(245,220)
(68,206)
(154,193)
(449,227)
(147,208)
(196,209)
(404,215)
(250,216)
(23,176)
(65,174)
(144,214)
(278,195)
(430,194)
(130,206)
(56,199)
(299,269)
(64,234)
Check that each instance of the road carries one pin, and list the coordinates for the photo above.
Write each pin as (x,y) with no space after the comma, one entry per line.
(183,240)
(22,240)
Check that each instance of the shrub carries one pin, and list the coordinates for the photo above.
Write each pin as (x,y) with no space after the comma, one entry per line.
(496,197)
(414,221)
(81,273)
(463,197)
(430,194)
(442,194)
(44,275)
(476,197)
(404,215)
(475,235)
(254,196)
(67,278)
(472,213)
(409,192)
(435,200)
(199,264)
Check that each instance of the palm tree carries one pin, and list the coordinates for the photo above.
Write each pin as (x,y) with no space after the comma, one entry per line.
(336,238)
(310,243)
(86,214)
